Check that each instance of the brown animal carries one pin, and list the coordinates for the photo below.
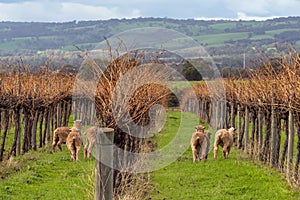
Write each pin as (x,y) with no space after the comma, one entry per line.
(61,133)
(224,138)
(90,141)
(200,143)
(74,143)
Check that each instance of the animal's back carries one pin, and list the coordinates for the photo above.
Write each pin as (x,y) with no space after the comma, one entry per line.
(198,138)
(62,132)
(224,137)
(91,133)
(74,137)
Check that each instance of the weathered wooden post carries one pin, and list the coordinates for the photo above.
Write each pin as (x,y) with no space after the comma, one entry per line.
(18,129)
(33,130)
(273,135)
(58,114)
(239,128)
(47,128)
(246,130)
(212,114)
(232,115)
(104,164)
(290,150)
(260,133)
(223,114)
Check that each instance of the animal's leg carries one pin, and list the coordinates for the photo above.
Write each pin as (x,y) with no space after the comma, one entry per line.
(207,147)
(77,152)
(85,153)
(215,152)
(72,151)
(59,144)
(54,143)
(225,152)
(195,155)
(216,144)
(73,155)
(90,149)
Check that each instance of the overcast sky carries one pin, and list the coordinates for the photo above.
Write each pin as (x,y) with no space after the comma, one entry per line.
(69,10)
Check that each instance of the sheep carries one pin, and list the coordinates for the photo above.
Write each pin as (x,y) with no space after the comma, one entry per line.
(61,133)
(74,143)
(90,141)
(200,143)
(224,138)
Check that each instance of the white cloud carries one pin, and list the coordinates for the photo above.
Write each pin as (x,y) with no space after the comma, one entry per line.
(69,10)
(81,11)
(255,7)
(60,11)
(263,8)
(244,16)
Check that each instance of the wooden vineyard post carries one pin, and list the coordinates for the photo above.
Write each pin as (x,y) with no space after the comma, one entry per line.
(260,134)
(58,114)
(213,111)
(246,129)
(232,116)
(296,175)
(222,115)
(18,131)
(104,164)
(34,127)
(290,146)
(239,128)
(5,132)
(273,135)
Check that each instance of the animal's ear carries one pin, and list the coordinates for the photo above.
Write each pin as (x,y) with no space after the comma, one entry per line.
(196,127)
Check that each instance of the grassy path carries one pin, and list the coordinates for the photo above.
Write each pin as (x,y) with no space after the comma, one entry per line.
(41,175)
(235,178)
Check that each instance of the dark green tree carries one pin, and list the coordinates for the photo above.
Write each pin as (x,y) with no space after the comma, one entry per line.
(190,72)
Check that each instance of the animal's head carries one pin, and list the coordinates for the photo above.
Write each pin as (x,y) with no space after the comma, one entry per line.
(232,130)
(77,123)
(199,128)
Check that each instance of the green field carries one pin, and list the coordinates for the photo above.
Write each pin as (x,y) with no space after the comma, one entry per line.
(235,178)
(43,175)
(217,39)
(23,37)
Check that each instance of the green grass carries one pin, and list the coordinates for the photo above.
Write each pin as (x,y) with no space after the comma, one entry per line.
(222,26)
(274,32)
(42,175)
(214,39)
(261,37)
(235,178)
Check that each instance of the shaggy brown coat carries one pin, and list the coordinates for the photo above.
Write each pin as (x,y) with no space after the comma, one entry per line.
(90,141)
(60,135)
(200,144)
(224,138)
(74,143)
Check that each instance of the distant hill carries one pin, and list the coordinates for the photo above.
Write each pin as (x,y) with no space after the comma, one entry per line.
(226,41)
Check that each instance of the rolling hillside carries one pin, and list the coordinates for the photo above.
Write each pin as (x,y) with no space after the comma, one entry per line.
(226,41)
